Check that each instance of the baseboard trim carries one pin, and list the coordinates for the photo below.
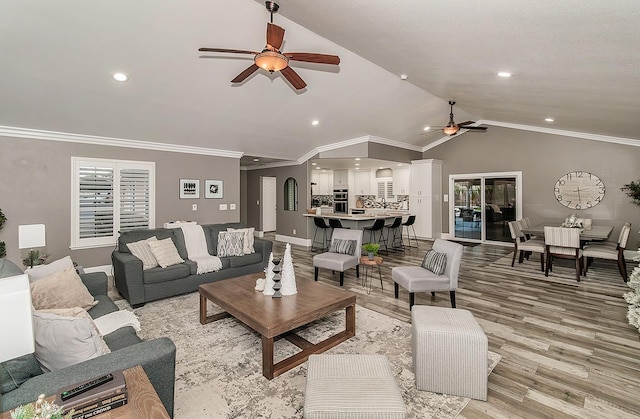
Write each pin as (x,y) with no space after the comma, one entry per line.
(293,240)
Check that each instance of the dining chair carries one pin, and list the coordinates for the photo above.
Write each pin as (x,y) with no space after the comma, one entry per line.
(563,242)
(608,251)
(522,245)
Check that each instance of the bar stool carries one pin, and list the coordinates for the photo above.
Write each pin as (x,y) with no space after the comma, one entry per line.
(409,223)
(335,223)
(373,230)
(396,240)
(322,225)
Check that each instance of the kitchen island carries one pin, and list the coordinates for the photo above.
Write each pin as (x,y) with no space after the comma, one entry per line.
(359,221)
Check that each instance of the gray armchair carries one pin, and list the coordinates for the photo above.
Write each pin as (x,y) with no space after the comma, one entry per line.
(337,261)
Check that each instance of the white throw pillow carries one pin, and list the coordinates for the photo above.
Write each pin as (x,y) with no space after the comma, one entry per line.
(66,337)
(61,290)
(142,251)
(247,246)
(43,271)
(165,252)
(230,243)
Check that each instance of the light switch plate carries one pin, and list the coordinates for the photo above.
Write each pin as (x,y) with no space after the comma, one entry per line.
(232,206)
(445,198)
(194,207)
(223,207)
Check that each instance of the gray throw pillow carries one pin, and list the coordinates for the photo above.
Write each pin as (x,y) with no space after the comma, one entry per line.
(344,246)
(435,262)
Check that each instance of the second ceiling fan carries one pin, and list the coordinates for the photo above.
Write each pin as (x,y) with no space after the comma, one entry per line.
(272,59)
(452,128)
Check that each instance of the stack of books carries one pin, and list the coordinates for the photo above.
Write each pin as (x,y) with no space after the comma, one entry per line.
(93,397)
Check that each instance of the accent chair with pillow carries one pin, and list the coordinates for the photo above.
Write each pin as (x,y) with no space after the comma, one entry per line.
(438,272)
(344,253)
(69,347)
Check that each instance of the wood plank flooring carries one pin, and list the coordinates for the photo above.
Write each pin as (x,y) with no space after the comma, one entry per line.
(567,348)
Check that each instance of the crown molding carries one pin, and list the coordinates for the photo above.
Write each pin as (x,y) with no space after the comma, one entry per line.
(112,142)
(564,133)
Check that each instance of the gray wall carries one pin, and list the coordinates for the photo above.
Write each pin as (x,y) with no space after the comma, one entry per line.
(543,158)
(35,188)
(286,221)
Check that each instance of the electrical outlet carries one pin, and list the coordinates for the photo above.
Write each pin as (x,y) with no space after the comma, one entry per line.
(223,207)
(194,207)
(294,231)
(445,198)
(232,206)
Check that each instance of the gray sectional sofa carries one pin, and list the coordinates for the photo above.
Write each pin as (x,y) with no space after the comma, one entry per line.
(23,380)
(139,286)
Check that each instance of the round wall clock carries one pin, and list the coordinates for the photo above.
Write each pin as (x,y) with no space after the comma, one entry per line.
(579,190)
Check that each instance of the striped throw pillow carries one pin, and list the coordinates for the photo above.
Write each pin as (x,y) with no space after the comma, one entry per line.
(346,247)
(142,251)
(435,262)
(165,252)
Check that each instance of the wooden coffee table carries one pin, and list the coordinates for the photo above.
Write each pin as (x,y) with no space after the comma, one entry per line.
(278,317)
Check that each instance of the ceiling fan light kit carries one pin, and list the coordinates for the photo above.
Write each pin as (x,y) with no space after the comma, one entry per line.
(272,59)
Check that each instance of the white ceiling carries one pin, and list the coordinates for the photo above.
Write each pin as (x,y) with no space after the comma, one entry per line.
(576,61)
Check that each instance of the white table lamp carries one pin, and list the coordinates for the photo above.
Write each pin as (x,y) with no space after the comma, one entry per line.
(30,236)
(15,312)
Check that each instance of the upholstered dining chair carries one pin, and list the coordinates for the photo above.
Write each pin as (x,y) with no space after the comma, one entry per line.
(431,276)
(609,251)
(563,242)
(344,253)
(522,245)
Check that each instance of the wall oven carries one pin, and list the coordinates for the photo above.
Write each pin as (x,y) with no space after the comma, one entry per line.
(340,201)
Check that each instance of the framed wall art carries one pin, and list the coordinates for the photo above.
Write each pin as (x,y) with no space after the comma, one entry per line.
(189,188)
(212,188)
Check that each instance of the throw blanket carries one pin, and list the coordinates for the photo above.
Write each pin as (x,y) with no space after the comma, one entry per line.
(114,321)
(196,245)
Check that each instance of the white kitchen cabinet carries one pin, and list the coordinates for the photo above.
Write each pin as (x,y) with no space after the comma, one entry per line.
(363,183)
(323,182)
(341,179)
(425,198)
(401,181)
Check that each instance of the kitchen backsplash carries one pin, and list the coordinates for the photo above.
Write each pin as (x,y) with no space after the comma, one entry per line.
(317,200)
(370,201)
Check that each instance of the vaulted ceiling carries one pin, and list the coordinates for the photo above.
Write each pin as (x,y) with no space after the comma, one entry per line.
(574,61)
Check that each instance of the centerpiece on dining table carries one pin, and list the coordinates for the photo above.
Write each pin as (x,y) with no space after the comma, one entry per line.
(573,222)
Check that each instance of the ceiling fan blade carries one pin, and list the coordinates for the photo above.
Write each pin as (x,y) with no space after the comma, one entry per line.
(275,35)
(246,73)
(293,78)
(231,51)
(466,123)
(475,128)
(311,57)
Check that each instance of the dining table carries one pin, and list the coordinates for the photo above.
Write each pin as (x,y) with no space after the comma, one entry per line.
(595,233)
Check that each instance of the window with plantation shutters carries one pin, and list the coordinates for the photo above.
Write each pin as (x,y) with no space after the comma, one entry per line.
(109,196)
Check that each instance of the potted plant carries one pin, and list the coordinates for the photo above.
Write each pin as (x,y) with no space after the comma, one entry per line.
(633,191)
(3,250)
(371,249)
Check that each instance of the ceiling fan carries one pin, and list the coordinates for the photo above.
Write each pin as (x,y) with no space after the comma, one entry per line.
(452,128)
(272,59)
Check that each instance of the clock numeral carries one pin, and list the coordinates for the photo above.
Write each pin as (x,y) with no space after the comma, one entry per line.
(559,197)
(601,191)
(579,174)
(598,199)
(599,183)
(589,204)
(561,182)
(578,206)
(556,189)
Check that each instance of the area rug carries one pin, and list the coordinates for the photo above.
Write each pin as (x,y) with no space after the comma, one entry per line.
(219,365)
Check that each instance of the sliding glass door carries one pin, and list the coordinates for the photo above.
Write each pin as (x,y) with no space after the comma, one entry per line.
(483,204)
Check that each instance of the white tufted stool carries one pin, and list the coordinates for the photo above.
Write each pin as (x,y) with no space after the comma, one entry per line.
(352,386)
(450,352)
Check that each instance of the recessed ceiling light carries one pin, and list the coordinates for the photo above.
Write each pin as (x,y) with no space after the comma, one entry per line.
(380,167)
(317,168)
(357,168)
(400,164)
(548,119)
(256,159)
(426,128)
(403,77)
(357,164)
(357,158)
(504,74)
(315,122)
(120,76)
(314,164)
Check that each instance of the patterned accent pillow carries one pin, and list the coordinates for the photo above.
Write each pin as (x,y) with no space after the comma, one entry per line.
(165,252)
(142,251)
(248,238)
(344,246)
(230,243)
(435,262)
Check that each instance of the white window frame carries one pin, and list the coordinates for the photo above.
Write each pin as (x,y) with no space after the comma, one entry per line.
(79,162)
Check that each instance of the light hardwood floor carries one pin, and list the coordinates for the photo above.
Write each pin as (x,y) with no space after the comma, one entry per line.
(567,348)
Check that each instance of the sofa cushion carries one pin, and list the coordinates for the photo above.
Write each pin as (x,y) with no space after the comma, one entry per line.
(121,338)
(8,268)
(43,271)
(18,370)
(165,252)
(105,306)
(61,290)
(238,261)
(142,251)
(170,273)
(66,337)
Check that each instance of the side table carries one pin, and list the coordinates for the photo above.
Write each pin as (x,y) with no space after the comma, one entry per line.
(143,399)
(368,267)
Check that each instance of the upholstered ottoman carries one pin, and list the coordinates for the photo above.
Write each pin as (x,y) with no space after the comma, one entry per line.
(350,386)
(450,352)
